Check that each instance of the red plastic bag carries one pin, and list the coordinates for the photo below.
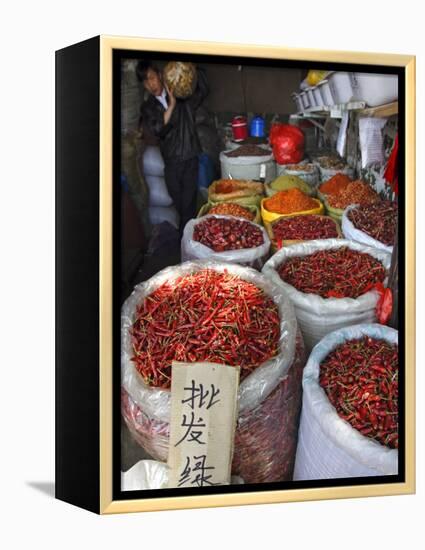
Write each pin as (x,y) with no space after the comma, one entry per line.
(287,142)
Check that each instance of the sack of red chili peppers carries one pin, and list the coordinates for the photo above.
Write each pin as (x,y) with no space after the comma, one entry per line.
(349,424)
(271,359)
(332,283)
(372,224)
(225,239)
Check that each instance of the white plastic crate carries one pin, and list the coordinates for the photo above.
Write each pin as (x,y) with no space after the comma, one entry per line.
(341,87)
(318,96)
(326,93)
(375,89)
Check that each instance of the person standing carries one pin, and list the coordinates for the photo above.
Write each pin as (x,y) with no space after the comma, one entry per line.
(172,121)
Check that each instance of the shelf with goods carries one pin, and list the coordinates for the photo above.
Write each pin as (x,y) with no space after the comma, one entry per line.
(337,111)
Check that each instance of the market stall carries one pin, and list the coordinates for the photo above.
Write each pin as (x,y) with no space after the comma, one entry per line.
(287,269)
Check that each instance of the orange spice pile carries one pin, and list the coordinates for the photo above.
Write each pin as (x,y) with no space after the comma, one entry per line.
(335,184)
(288,201)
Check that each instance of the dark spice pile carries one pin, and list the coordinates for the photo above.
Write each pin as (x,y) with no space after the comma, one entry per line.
(222,234)
(304,228)
(360,378)
(337,273)
(248,150)
(205,316)
(377,220)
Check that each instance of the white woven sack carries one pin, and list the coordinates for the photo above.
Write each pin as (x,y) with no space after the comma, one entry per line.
(311,177)
(152,474)
(145,474)
(158,192)
(193,250)
(328,446)
(153,163)
(319,316)
(353,234)
(159,214)
(254,388)
(248,168)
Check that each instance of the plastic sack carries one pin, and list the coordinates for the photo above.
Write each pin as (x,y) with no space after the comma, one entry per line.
(153,163)
(245,193)
(287,142)
(328,446)
(269,217)
(319,316)
(145,474)
(158,192)
(354,234)
(285,182)
(152,474)
(328,173)
(310,175)
(159,214)
(193,250)
(180,78)
(248,168)
(146,410)
(255,211)
(265,438)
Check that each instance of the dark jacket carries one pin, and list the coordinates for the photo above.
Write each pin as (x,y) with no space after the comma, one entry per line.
(177,139)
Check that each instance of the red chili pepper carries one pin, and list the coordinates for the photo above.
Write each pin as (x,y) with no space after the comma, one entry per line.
(337,273)
(360,379)
(206,316)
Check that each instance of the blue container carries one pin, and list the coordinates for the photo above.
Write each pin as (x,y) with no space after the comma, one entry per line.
(257,127)
(206,170)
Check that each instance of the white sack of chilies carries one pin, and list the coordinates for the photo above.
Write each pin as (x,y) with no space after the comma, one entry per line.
(353,234)
(319,316)
(146,409)
(328,446)
(194,250)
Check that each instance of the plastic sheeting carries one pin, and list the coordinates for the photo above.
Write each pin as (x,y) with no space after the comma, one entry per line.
(328,446)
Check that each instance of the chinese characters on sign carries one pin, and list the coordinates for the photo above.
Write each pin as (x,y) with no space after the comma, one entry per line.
(203,419)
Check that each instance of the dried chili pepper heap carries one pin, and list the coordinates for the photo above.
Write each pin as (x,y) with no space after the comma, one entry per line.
(337,273)
(290,200)
(205,316)
(335,184)
(360,378)
(356,192)
(377,220)
(232,209)
(222,234)
(304,228)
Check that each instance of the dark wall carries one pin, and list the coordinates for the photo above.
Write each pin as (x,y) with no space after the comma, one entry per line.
(248,89)
(252,89)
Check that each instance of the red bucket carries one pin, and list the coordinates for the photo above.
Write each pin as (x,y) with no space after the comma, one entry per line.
(239,128)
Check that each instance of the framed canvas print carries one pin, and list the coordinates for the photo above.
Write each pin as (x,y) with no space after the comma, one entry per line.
(235,274)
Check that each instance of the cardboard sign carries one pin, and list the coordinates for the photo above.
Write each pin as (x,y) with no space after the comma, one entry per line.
(203,422)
